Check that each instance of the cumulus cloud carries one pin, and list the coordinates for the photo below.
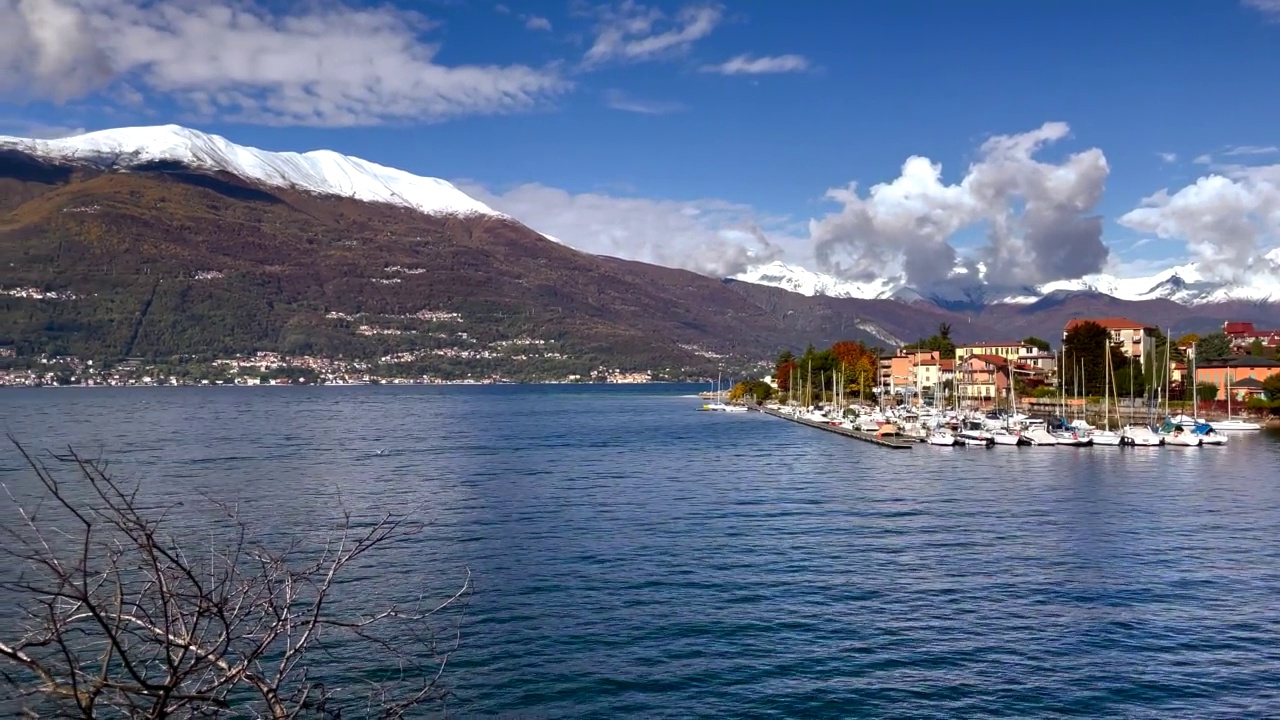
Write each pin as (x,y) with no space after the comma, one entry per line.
(712,237)
(747,65)
(631,32)
(1225,218)
(1038,217)
(618,100)
(242,60)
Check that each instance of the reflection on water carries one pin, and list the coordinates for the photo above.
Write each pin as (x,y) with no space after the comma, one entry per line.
(632,556)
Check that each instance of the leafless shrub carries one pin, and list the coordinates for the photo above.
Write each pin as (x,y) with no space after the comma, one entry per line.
(116,619)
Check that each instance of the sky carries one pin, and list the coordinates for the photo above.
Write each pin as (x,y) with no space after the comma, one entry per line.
(1030,141)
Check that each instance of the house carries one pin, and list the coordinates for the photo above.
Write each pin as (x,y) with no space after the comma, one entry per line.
(1242,335)
(1236,372)
(1134,339)
(898,371)
(932,373)
(982,378)
(1013,350)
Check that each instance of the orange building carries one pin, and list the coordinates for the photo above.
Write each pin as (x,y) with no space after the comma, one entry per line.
(1134,339)
(899,370)
(1243,373)
(983,378)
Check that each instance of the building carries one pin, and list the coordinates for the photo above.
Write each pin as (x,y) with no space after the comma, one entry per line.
(1134,339)
(982,379)
(932,373)
(1013,350)
(1244,374)
(1242,335)
(898,371)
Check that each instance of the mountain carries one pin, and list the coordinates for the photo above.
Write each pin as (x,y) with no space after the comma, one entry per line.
(158,242)
(1184,284)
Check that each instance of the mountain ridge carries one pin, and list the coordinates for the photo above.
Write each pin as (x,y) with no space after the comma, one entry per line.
(1185,284)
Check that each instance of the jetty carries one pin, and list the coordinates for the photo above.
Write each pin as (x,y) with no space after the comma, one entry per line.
(894,443)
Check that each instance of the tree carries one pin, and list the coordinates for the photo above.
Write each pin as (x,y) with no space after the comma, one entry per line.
(1256,348)
(1214,346)
(1033,341)
(120,620)
(1271,386)
(758,389)
(1084,357)
(1188,339)
(784,369)
(1206,392)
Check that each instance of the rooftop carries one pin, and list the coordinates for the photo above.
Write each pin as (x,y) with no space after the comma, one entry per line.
(1110,323)
(1239,361)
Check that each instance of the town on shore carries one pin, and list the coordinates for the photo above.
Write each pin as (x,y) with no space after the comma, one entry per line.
(262,368)
(1130,361)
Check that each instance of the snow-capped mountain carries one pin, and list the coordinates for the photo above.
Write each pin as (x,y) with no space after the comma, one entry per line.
(1185,284)
(807,282)
(321,172)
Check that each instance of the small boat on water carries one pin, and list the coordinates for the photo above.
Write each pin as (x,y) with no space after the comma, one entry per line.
(1001,436)
(1140,436)
(943,437)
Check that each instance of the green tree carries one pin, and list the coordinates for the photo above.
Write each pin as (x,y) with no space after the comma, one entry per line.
(1213,346)
(1271,386)
(1256,348)
(1206,392)
(1036,342)
(1084,357)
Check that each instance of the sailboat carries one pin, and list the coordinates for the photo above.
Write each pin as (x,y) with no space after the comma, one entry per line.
(718,405)
(1106,436)
(1231,424)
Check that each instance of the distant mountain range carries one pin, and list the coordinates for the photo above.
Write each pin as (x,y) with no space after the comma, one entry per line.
(166,241)
(1184,284)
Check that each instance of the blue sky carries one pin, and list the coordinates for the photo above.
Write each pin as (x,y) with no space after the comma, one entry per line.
(570,113)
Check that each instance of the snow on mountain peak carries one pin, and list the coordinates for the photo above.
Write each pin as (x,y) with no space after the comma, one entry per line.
(1184,284)
(807,282)
(322,172)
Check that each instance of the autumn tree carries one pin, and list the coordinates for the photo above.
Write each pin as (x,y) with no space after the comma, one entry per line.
(784,370)
(858,364)
(760,390)
(1084,357)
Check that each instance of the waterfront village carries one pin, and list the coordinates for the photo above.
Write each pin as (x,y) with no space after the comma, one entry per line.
(982,372)
(911,373)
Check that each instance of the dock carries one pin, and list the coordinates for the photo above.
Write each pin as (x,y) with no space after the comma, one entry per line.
(892,443)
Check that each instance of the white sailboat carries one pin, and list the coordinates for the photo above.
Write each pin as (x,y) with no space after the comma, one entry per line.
(1106,436)
(1231,424)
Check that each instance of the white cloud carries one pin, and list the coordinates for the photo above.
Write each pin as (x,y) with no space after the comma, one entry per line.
(41,131)
(1037,216)
(1205,159)
(1167,157)
(713,237)
(631,32)
(618,100)
(1251,150)
(535,22)
(1226,218)
(747,65)
(1269,8)
(323,64)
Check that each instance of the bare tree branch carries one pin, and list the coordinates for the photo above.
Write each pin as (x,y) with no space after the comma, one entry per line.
(118,619)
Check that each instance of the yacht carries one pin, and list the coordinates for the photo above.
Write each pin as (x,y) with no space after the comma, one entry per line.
(1140,436)
(1234,425)
(1001,436)
(942,436)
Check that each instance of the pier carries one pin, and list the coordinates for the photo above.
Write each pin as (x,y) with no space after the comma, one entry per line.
(892,443)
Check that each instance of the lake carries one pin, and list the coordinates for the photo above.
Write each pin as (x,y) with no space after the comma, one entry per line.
(634,557)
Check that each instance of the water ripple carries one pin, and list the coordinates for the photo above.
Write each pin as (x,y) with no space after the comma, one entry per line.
(633,557)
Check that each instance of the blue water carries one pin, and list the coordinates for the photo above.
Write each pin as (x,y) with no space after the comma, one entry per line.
(633,557)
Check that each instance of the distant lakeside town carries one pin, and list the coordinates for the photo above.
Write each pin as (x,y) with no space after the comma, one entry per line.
(262,368)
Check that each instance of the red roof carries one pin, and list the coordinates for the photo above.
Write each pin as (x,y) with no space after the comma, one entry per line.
(1112,323)
(1237,328)
(990,359)
(946,364)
